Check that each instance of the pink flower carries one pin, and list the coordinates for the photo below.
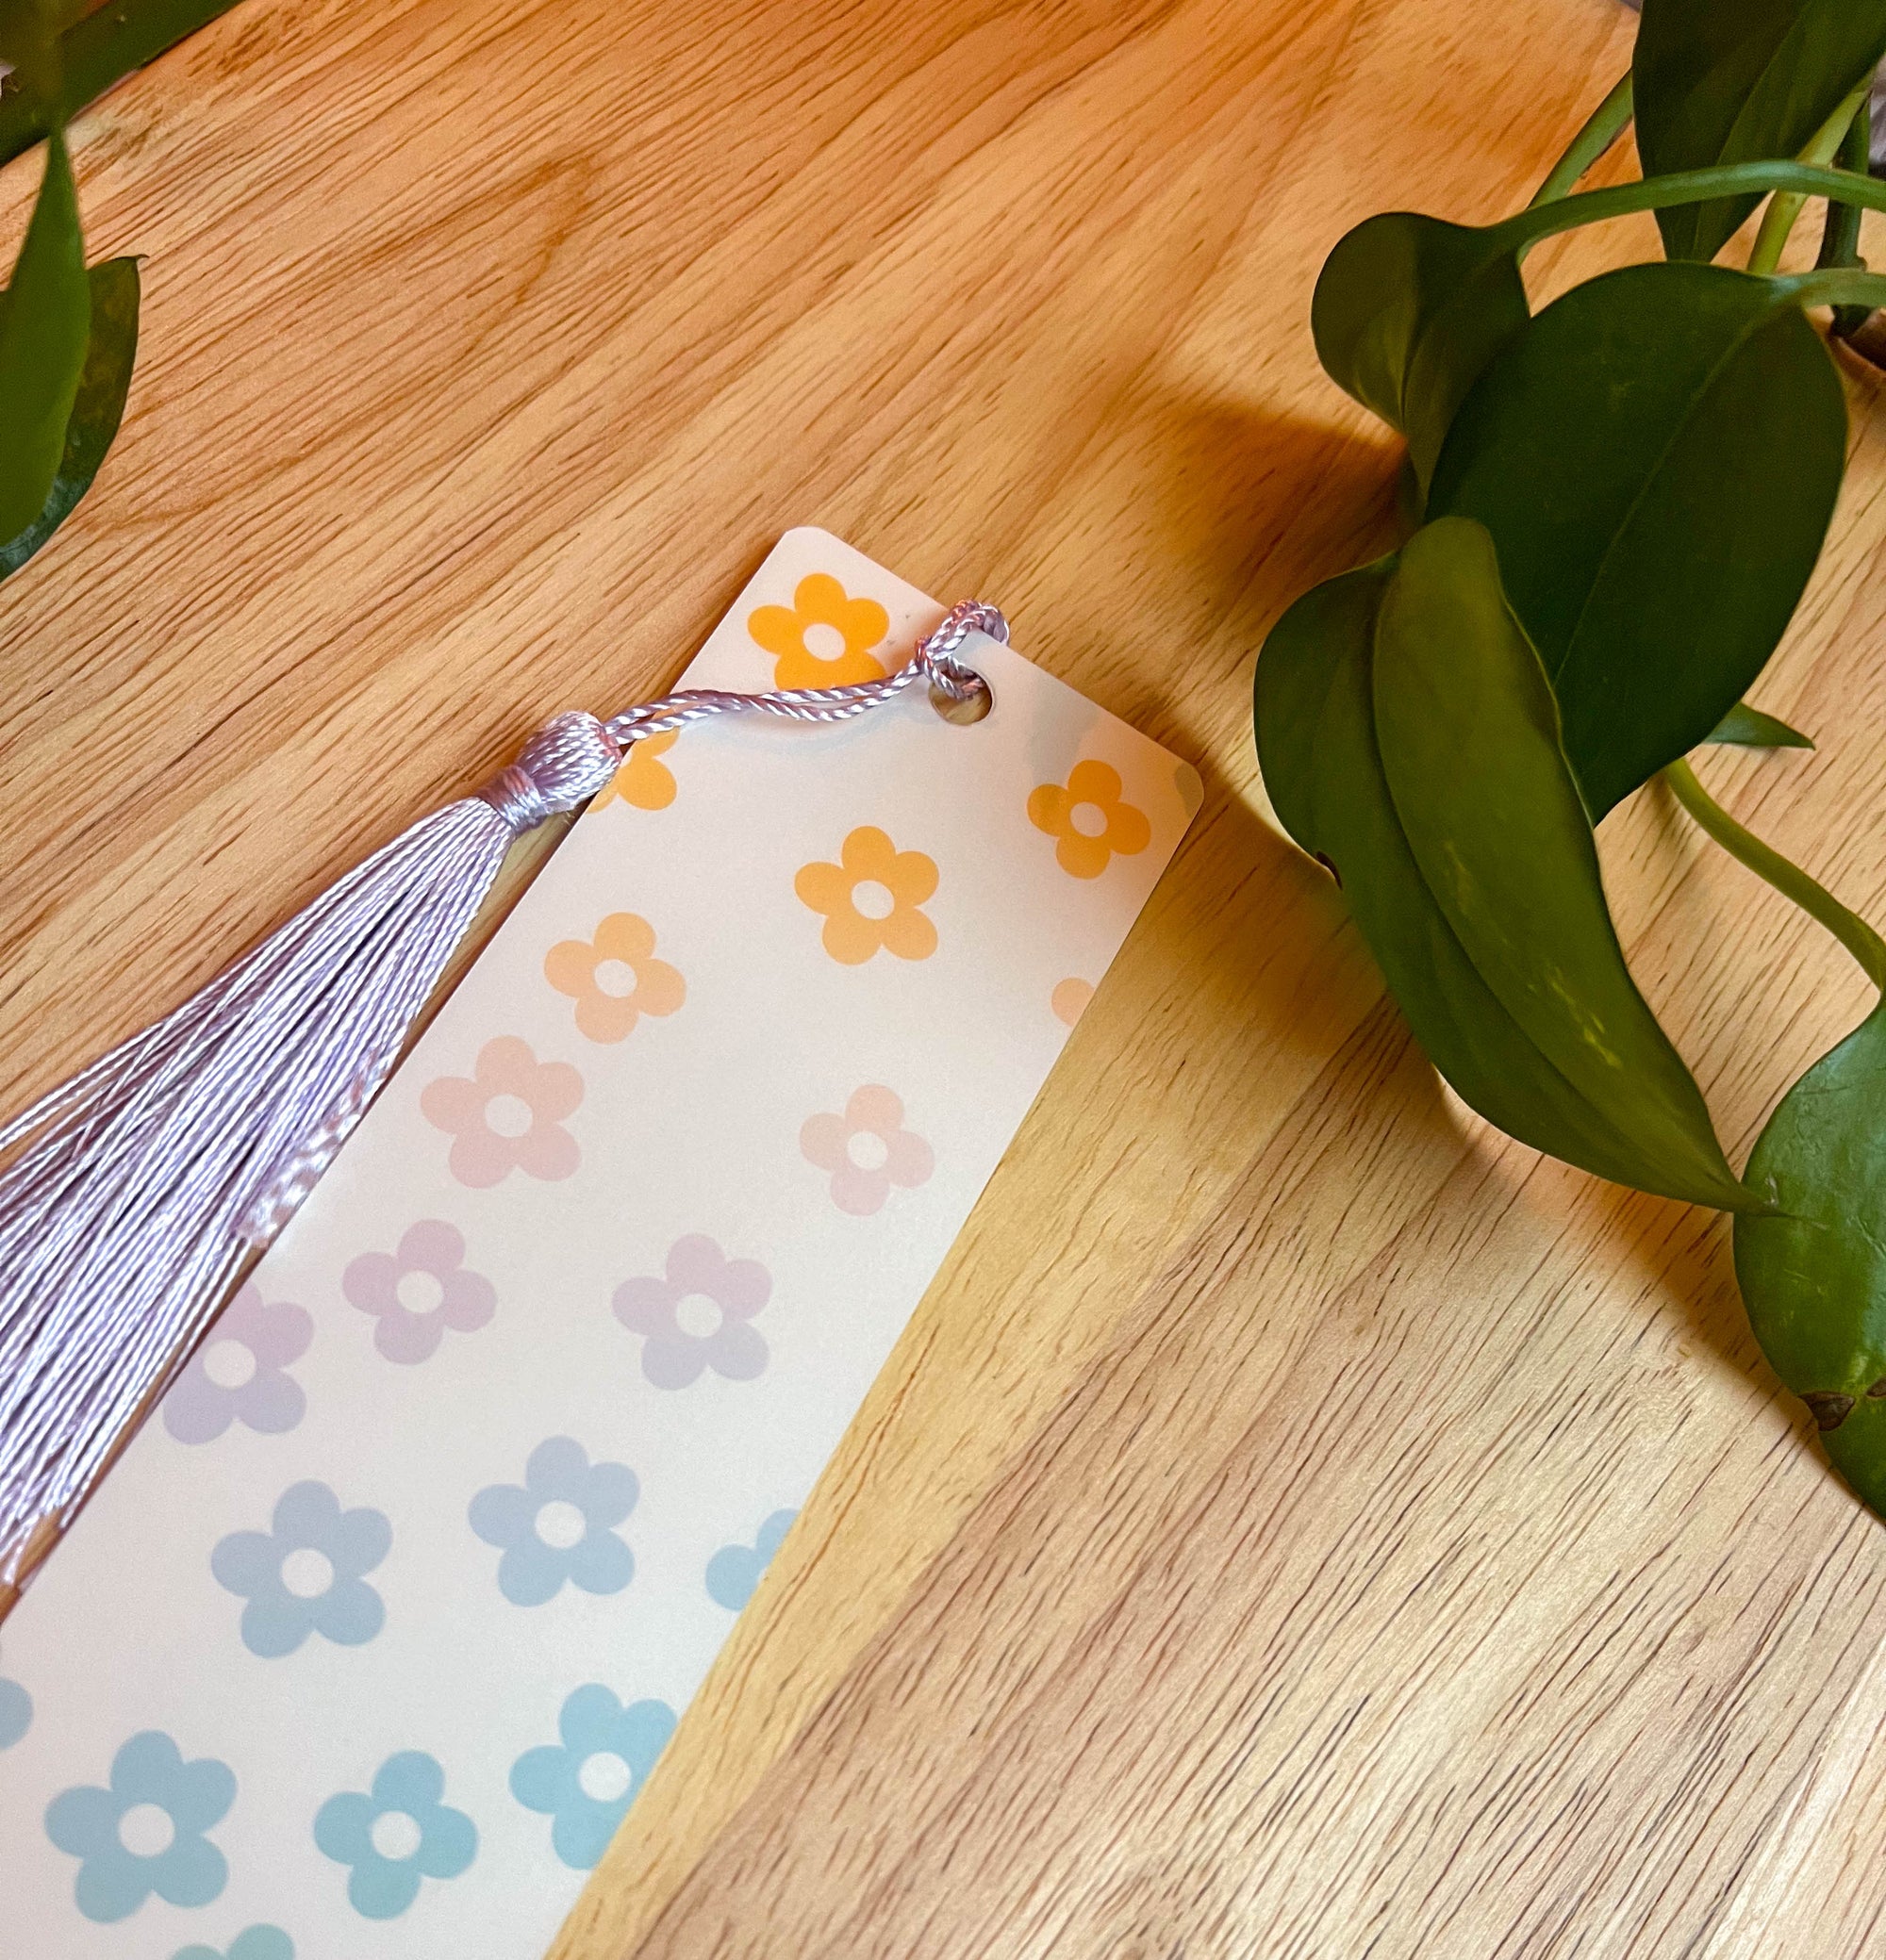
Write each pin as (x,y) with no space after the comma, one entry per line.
(697,1316)
(419,1291)
(867,1150)
(507,1115)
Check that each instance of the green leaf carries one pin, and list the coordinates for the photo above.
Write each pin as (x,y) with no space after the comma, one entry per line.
(1409,740)
(96,409)
(1745,727)
(1657,455)
(1812,1271)
(1730,81)
(1408,311)
(98,49)
(29,45)
(44,326)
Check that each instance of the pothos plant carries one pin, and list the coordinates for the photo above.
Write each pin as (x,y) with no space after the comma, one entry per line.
(68,335)
(1614,505)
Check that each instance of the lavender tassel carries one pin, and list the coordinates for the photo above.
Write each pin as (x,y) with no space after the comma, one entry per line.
(139,1188)
(153,1175)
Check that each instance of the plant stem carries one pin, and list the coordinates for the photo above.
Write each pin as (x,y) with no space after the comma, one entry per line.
(1525,229)
(1853,932)
(1602,128)
(1778,220)
(1846,287)
(1840,239)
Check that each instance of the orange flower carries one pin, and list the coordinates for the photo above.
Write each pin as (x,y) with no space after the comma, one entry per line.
(614,977)
(642,781)
(1089,819)
(824,637)
(871,898)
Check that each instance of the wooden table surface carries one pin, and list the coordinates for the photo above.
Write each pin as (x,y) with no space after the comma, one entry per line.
(1297,1523)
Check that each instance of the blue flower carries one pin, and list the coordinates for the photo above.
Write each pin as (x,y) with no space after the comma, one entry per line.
(399,1835)
(145,1833)
(303,1575)
(734,1569)
(16,1713)
(587,1784)
(257,1943)
(554,1526)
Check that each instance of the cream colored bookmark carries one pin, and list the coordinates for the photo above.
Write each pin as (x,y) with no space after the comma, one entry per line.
(368,1642)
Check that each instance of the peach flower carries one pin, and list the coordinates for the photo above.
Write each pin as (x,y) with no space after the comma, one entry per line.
(871,898)
(867,1150)
(614,977)
(824,637)
(507,1115)
(1089,819)
(1070,999)
(643,781)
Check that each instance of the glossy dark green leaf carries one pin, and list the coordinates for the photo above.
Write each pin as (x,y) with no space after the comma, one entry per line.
(96,409)
(1814,1271)
(1745,727)
(44,325)
(1731,81)
(1657,455)
(1408,311)
(1409,740)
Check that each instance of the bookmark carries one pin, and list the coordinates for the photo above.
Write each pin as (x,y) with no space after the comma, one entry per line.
(369,1638)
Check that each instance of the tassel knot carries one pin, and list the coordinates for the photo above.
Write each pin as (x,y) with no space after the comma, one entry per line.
(568,760)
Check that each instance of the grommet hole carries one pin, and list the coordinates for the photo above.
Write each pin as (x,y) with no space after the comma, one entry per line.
(967,708)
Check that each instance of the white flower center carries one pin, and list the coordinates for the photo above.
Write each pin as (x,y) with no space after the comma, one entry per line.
(697,1315)
(867,1150)
(605,1776)
(1089,819)
(823,642)
(419,1291)
(508,1116)
(395,1834)
(229,1364)
(307,1573)
(560,1524)
(614,977)
(146,1830)
(874,900)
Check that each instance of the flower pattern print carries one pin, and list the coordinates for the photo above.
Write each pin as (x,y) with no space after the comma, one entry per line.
(1070,999)
(239,1374)
(698,1315)
(824,639)
(147,1832)
(873,900)
(16,1712)
(419,1291)
(396,1834)
(643,781)
(557,1525)
(254,1943)
(508,1115)
(586,1782)
(735,1571)
(614,977)
(304,1574)
(1089,819)
(866,1150)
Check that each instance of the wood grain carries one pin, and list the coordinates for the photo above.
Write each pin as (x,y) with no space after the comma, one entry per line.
(1297,1523)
